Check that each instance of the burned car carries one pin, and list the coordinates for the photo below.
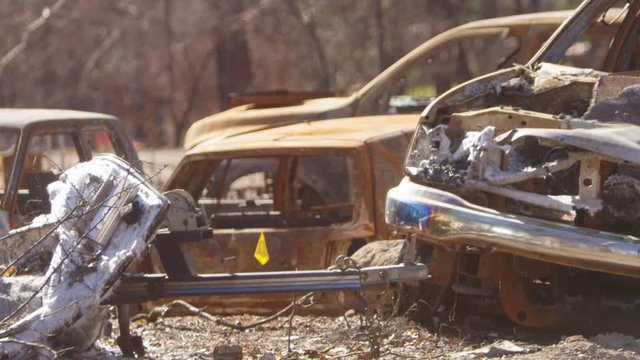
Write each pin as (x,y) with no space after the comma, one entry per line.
(36,145)
(312,191)
(445,60)
(521,186)
(320,217)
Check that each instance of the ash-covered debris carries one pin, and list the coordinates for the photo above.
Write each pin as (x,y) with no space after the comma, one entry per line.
(621,200)
(16,290)
(476,155)
(623,108)
(517,85)
(444,172)
(568,167)
(92,241)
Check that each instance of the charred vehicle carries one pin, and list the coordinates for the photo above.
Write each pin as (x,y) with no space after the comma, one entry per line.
(79,250)
(312,191)
(59,274)
(36,145)
(234,145)
(445,60)
(522,185)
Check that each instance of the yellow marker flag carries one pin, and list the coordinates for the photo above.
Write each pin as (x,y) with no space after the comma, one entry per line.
(262,253)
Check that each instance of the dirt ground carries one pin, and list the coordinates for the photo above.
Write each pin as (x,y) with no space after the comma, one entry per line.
(348,337)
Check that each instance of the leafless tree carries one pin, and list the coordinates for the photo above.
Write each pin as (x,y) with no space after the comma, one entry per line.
(160,66)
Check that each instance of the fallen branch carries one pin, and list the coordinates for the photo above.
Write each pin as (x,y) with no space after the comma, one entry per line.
(52,354)
(350,354)
(293,312)
(161,311)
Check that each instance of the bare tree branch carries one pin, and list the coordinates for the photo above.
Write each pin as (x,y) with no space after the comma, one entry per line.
(170,65)
(161,311)
(36,24)
(380,34)
(240,20)
(180,115)
(306,19)
(91,63)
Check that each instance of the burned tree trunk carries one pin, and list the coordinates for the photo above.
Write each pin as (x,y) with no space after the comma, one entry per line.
(233,59)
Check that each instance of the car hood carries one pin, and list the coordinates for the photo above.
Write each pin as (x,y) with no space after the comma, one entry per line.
(247,118)
(619,141)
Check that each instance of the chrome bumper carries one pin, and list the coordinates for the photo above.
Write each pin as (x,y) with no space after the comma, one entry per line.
(446,219)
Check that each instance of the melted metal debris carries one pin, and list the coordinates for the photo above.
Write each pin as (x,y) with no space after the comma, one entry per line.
(113,213)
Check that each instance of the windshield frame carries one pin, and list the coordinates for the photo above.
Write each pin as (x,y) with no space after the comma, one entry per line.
(586,14)
(7,171)
(356,163)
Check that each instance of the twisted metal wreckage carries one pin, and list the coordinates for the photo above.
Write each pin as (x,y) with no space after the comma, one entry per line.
(521,191)
(60,271)
(522,186)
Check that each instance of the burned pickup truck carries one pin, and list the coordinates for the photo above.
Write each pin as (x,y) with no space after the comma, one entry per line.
(522,185)
(71,239)
(36,145)
(309,204)
(447,59)
(310,191)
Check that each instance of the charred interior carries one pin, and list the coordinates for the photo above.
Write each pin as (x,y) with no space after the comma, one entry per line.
(559,145)
(273,191)
(570,167)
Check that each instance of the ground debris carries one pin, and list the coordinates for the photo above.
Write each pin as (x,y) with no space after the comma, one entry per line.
(321,337)
(616,341)
(498,348)
(267,356)
(227,352)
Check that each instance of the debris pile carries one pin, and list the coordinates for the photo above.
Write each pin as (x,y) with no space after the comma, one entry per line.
(102,214)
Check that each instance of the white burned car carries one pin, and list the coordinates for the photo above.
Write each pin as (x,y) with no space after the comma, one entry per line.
(522,186)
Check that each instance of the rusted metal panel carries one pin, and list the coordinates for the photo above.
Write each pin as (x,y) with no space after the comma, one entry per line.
(19,118)
(345,132)
(503,119)
(244,118)
(386,159)
(275,98)
(373,147)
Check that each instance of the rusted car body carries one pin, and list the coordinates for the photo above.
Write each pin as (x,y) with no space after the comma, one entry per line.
(406,86)
(522,185)
(314,190)
(242,132)
(38,144)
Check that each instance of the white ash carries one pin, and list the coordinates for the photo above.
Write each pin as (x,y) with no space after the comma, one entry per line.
(81,270)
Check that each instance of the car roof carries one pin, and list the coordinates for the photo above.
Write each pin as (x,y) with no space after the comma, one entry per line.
(542,17)
(343,133)
(21,118)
